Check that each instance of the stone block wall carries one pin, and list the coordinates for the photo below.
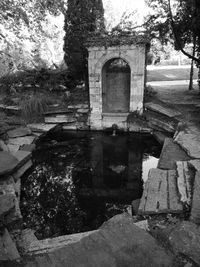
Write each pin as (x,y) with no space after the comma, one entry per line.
(134,55)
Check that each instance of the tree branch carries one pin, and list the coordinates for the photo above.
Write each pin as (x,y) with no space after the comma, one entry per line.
(176,36)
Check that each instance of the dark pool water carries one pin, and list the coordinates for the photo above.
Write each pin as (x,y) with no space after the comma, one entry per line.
(80,180)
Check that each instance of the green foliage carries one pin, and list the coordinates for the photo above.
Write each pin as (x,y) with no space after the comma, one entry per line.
(34,106)
(178,22)
(82,19)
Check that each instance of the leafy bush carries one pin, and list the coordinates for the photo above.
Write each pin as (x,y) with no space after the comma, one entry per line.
(149,92)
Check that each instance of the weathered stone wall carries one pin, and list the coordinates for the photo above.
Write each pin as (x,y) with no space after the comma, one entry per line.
(134,55)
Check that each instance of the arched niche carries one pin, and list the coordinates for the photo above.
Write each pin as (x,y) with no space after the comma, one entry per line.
(116,81)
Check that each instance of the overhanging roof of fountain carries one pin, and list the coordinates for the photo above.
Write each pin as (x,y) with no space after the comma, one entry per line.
(118,39)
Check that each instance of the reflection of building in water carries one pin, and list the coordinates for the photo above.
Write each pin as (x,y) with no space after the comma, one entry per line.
(117,168)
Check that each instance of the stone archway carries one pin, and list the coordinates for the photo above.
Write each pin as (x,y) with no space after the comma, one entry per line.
(116,78)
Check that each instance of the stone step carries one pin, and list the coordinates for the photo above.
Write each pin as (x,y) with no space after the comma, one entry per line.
(162,110)
(160,193)
(185,180)
(171,152)
(60,119)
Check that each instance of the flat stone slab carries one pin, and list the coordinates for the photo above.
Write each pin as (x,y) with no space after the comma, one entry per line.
(19,132)
(117,243)
(161,124)
(160,193)
(171,152)
(195,210)
(160,136)
(185,181)
(185,240)
(189,140)
(20,141)
(163,110)
(8,250)
(7,162)
(41,127)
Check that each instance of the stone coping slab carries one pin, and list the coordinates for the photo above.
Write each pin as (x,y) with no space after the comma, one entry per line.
(171,152)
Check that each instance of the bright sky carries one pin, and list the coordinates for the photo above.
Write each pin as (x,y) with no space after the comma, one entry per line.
(115,8)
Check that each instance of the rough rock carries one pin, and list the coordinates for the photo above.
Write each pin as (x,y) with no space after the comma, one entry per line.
(7,203)
(117,243)
(185,240)
(19,132)
(8,250)
(3,146)
(7,162)
(7,198)
(189,140)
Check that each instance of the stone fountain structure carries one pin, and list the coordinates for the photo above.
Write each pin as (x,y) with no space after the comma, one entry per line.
(117,75)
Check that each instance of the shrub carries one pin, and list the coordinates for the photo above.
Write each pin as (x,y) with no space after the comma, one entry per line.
(34,106)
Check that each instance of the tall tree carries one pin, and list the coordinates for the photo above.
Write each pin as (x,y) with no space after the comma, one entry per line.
(82,19)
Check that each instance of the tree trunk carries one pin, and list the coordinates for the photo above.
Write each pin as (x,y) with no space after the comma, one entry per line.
(192,64)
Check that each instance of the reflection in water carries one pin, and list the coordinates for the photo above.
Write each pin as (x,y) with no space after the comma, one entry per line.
(78,186)
(148,163)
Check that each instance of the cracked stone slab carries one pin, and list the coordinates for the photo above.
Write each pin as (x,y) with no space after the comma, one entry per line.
(160,193)
(185,179)
(117,243)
